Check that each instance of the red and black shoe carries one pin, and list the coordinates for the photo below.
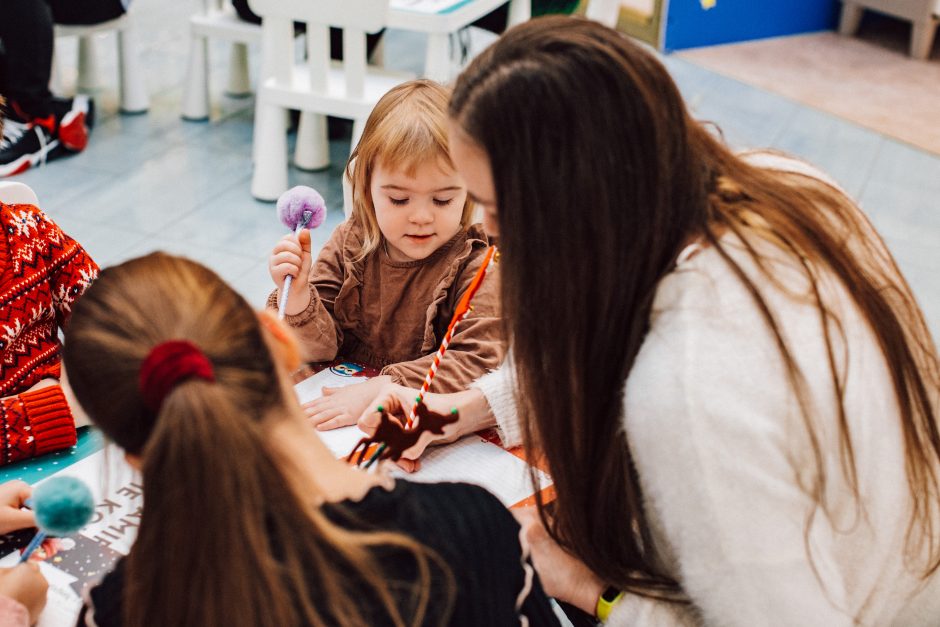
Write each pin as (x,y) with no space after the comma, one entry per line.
(29,142)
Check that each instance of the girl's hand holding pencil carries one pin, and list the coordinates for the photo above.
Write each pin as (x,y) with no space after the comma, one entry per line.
(13,496)
(291,257)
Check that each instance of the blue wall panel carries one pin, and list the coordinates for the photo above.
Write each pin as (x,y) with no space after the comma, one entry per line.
(689,25)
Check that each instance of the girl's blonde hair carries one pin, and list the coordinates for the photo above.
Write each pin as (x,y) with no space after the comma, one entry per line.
(227,537)
(407,129)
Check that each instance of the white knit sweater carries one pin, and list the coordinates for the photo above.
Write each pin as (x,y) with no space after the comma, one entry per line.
(717,438)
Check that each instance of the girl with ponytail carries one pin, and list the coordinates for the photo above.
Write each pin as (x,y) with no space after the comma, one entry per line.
(248,520)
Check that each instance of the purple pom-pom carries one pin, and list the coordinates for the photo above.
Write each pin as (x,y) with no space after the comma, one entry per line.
(294,202)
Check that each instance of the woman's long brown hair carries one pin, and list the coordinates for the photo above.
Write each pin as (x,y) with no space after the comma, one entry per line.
(226,537)
(601,177)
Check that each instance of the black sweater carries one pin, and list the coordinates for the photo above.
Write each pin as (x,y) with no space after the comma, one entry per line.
(477,537)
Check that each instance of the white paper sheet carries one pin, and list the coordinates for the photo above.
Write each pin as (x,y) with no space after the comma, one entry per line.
(474,460)
(340,441)
(471,460)
(339,376)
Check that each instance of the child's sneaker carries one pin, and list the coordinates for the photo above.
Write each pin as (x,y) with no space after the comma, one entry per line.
(28,142)
(75,124)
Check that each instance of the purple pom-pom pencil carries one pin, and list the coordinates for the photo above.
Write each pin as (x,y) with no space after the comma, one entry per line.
(298,208)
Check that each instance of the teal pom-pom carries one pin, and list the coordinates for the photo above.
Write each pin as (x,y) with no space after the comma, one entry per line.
(62,505)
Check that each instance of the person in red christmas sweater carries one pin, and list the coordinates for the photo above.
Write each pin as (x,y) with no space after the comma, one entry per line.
(42,272)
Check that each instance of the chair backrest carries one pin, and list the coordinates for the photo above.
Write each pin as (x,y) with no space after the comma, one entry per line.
(367,15)
(16,193)
(355,17)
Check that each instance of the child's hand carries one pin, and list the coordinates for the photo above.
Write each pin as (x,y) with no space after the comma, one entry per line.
(291,257)
(13,495)
(25,584)
(340,407)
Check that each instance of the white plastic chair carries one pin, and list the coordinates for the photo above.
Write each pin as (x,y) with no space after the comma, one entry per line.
(132,83)
(924,16)
(217,21)
(220,21)
(16,193)
(317,87)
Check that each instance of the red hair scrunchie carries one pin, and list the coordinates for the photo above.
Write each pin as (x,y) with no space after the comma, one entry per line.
(167,365)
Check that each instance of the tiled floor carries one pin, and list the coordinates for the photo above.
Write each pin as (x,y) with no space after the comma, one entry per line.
(156,182)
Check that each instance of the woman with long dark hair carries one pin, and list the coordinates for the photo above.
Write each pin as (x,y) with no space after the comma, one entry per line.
(730,381)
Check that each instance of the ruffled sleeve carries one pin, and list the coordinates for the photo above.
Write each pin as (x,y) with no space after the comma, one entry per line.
(319,327)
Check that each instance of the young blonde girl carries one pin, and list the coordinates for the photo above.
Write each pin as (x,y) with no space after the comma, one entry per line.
(383,288)
(248,519)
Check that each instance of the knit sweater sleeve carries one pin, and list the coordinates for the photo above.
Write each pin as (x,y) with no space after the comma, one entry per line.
(717,443)
(316,327)
(73,268)
(34,423)
(498,387)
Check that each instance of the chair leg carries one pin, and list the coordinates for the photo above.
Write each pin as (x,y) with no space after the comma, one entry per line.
(358,126)
(922,36)
(313,145)
(87,65)
(851,18)
(377,58)
(196,95)
(606,12)
(239,81)
(134,97)
(437,59)
(56,84)
(520,11)
(269,179)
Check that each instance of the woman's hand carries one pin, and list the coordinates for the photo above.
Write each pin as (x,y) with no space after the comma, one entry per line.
(341,407)
(563,575)
(13,495)
(25,584)
(291,257)
(397,399)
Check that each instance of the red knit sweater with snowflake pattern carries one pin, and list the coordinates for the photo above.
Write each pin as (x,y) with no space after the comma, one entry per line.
(42,272)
